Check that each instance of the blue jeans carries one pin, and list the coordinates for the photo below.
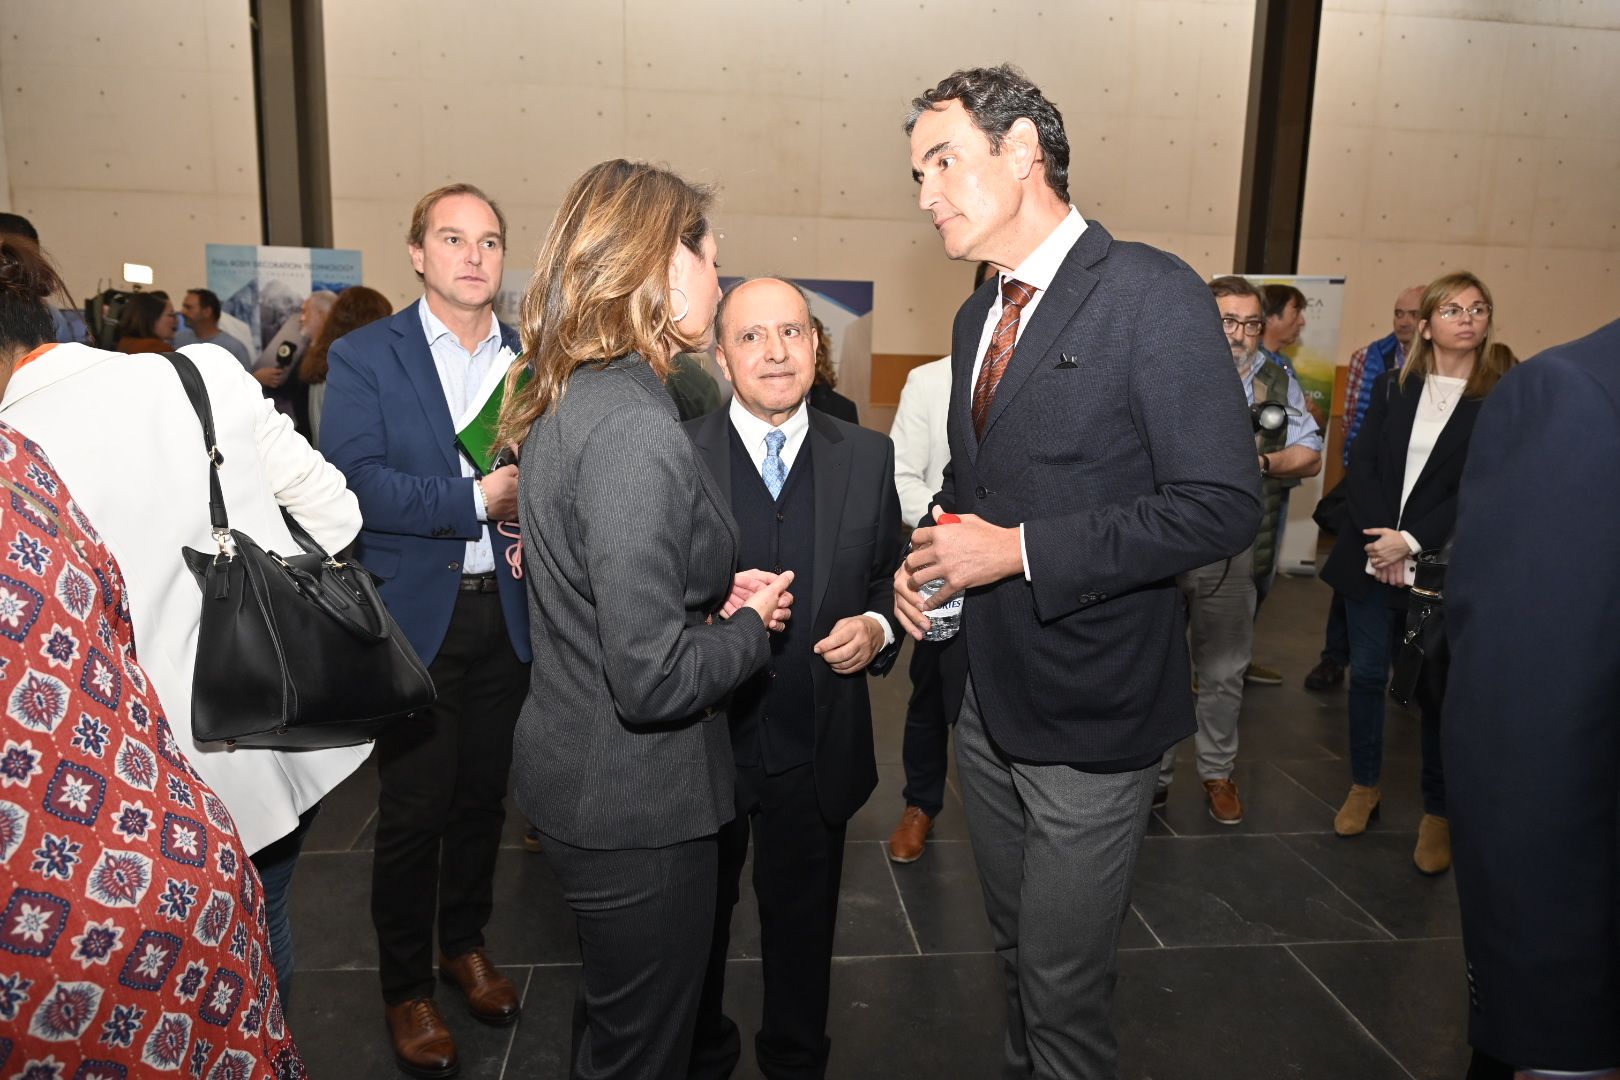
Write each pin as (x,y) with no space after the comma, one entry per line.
(1375,638)
(275,864)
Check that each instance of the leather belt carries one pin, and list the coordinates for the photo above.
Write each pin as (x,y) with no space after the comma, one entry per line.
(479,582)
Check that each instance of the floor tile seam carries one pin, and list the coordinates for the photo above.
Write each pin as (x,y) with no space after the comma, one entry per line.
(1148,925)
(905,913)
(1302,944)
(1166,823)
(1290,778)
(1335,886)
(1399,1064)
(511,1038)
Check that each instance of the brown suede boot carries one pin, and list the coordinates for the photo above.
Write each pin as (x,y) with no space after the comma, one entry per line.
(1360,807)
(1433,852)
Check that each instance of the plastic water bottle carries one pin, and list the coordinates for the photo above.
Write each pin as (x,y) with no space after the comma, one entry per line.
(945,620)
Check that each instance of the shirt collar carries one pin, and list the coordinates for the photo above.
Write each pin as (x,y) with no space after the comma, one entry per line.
(1042,264)
(752,430)
(435,329)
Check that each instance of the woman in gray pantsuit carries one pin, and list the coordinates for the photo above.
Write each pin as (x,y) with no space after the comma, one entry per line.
(622,756)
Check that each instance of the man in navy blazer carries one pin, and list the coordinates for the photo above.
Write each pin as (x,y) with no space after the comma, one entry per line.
(1531,730)
(397,392)
(1100,445)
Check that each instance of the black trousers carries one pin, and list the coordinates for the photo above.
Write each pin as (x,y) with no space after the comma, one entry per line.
(643,917)
(440,811)
(925,749)
(798,863)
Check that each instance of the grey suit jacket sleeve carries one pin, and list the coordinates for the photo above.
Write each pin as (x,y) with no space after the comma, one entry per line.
(1188,409)
(636,524)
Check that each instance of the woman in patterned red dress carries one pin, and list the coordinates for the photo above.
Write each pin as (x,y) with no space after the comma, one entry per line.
(132,930)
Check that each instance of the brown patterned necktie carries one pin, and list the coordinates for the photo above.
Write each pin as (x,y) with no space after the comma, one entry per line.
(1014,295)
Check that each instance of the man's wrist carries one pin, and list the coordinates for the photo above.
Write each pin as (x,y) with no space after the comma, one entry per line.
(480,504)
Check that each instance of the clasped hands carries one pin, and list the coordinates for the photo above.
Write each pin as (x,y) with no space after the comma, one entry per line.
(966,553)
(1388,552)
(850,646)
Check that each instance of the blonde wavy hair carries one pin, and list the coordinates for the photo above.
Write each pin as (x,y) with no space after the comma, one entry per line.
(1491,360)
(601,284)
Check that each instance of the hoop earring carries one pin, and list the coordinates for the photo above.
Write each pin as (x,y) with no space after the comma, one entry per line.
(685,310)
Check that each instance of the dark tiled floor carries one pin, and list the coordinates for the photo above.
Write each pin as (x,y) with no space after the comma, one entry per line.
(1272,949)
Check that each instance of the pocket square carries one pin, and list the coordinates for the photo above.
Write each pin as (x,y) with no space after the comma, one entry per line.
(1065,361)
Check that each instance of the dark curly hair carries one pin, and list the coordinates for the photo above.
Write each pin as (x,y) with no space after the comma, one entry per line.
(996,97)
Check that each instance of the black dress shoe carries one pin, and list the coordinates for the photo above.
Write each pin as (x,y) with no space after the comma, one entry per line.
(1325,675)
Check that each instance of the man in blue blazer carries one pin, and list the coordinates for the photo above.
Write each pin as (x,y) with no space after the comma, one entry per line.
(1100,445)
(397,393)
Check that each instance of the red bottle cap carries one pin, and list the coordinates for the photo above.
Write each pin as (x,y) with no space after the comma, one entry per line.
(947,519)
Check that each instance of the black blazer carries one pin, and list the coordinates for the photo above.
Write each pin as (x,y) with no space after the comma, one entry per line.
(1120,438)
(1532,715)
(1377,474)
(833,403)
(857,545)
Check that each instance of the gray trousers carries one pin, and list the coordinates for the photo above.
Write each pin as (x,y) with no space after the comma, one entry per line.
(1056,849)
(1220,632)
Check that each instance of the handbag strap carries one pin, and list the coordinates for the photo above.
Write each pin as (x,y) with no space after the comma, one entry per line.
(197,393)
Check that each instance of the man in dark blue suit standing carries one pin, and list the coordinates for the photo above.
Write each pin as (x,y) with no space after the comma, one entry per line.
(1531,731)
(1100,445)
(398,391)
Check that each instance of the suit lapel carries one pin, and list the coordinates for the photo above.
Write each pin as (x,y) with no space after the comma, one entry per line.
(831,459)
(1069,289)
(1397,436)
(411,347)
(964,353)
(1452,438)
(711,438)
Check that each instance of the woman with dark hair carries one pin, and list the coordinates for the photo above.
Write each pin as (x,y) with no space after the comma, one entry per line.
(354,307)
(1405,466)
(146,487)
(147,324)
(135,925)
(823,394)
(622,757)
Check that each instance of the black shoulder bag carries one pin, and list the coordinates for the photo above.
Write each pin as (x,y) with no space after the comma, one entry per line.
(1424,658)
(294,652)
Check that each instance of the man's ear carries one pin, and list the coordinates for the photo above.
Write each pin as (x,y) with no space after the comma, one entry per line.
(720,359)
(1023,144)
(417,257)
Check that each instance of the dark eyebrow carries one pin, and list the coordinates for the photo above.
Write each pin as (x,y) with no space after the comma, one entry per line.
(916,174)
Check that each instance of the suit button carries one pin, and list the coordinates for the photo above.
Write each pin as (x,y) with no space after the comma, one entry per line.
(773,673)
(778,568)
(454,566)
(980,492)
(780,515)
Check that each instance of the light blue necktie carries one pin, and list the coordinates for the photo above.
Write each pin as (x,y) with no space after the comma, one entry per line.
(775,470)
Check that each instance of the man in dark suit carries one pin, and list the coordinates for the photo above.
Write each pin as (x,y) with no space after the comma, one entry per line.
(398,391)
(1531,731)
(816,496)
(1100,445)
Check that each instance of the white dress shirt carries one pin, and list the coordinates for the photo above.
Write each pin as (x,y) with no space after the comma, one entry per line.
(1036,271)
(460,375)
(1426,428)
(752,431)
(922,444)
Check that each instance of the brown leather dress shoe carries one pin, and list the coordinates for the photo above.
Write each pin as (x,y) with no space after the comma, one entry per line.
(910,836)
(423,1045)
(1224,804)
(491,997)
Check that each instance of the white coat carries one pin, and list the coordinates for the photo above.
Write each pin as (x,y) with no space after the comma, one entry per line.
(921,449)
(124,438)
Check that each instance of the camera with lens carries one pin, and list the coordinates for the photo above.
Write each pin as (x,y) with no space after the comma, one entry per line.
(1268,416)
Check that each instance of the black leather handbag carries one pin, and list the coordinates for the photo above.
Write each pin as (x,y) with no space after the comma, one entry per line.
(1424,659)
(294,652)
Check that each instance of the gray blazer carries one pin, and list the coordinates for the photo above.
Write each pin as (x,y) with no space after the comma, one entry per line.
(628,548)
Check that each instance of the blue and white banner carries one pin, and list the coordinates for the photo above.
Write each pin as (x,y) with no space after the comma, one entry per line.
(266,287)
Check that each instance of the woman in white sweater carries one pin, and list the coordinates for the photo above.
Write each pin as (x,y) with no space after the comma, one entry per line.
(123,436)
(1405,466)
